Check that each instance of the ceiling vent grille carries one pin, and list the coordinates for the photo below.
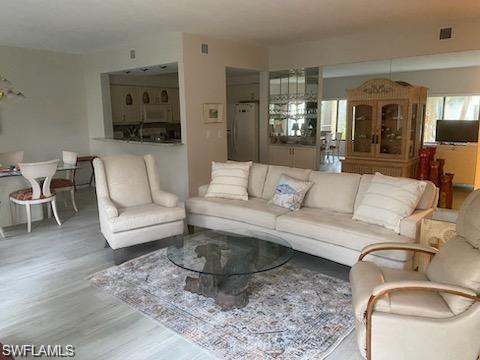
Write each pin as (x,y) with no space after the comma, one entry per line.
(204,48)
(445,33)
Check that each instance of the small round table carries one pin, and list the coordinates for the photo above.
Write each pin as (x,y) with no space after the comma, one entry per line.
(225,261)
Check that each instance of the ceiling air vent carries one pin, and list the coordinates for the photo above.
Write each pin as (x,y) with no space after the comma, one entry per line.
(445,33)
(204,48)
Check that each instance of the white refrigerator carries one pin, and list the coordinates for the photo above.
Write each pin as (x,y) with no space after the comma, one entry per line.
(243,133)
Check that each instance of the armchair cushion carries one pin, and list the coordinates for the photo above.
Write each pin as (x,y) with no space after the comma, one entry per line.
(139,216)
(468,224)
(457,263)
(365,276)
(127,180)
(164,198)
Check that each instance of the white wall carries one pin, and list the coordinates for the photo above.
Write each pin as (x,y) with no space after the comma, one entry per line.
(205,82)
(455,81)
(383,43)
(161,49)
(52,117)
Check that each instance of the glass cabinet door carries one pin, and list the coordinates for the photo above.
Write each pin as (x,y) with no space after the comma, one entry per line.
(362,129)
(389,137)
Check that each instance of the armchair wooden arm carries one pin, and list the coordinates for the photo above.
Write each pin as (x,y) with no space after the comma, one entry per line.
(397,246)
(398,286)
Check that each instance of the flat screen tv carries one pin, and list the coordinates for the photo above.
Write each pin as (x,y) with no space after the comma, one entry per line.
(457,131)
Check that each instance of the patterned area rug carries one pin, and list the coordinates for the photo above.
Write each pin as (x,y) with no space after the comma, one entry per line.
(293,313)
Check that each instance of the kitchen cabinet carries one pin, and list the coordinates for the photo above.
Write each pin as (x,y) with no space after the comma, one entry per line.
(281,155)
(126,104)
(304,157)
(384,128)
(132,111)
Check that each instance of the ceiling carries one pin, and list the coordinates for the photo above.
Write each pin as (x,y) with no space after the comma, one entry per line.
(416,63)
(90,25)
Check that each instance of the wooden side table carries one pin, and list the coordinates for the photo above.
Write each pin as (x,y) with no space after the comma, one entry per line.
(90,159)
(433,233)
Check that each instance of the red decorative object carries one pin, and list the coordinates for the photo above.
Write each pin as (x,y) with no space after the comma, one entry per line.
(446,191)
(423,172)
(434,173)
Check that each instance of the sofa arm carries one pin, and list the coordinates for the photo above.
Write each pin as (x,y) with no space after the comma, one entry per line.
(446,215)
(164,198)
(107,207)
(202,190)
(410,226)
(397,246)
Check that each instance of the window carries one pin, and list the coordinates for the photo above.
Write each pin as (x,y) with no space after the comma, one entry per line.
(334,117)
(449,108)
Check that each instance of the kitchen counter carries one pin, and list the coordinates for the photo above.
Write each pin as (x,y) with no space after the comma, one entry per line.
(153,143)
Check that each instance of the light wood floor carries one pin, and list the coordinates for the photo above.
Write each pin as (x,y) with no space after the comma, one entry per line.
(47,299)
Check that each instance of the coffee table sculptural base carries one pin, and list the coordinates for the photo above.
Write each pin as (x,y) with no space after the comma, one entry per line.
(226,262)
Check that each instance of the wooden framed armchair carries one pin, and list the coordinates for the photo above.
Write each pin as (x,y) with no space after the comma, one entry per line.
(132,208)
(413,315)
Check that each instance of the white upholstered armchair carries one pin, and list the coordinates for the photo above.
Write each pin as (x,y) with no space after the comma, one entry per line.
(432,315)
(131,206)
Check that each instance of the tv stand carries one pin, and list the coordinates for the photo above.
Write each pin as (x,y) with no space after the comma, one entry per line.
(460,159)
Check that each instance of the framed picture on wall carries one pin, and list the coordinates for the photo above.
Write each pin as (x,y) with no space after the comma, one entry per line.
(212,113)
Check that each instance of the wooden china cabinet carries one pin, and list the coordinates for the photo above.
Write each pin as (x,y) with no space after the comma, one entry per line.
(384,128)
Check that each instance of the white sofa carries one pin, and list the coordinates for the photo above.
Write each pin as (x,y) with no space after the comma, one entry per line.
(323,227)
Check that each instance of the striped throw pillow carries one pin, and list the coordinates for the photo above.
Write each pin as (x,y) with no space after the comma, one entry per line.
(229,180)
(388,200)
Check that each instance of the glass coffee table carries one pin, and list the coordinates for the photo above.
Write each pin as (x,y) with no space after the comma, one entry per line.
(225,261)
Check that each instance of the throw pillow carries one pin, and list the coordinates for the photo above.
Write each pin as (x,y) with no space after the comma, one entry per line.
(290,192)
(229,180)
(388,200)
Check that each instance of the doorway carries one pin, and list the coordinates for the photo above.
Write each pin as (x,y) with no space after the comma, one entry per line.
(243,91)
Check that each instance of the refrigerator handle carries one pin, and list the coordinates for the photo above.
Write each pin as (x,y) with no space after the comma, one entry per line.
(235,133)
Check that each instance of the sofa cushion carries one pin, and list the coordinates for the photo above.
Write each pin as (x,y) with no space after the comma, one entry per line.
(457,263)
(274,173)
(366,275)
(229,180)
(334,191)
(255,211)
(388,200)
(427,201)
(256,180)
(290,192)
(139,216)
(127,188)
(339,229)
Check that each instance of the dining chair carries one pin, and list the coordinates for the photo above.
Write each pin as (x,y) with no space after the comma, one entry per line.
(327,147)
(37,194)
(67,183)
(12,158)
